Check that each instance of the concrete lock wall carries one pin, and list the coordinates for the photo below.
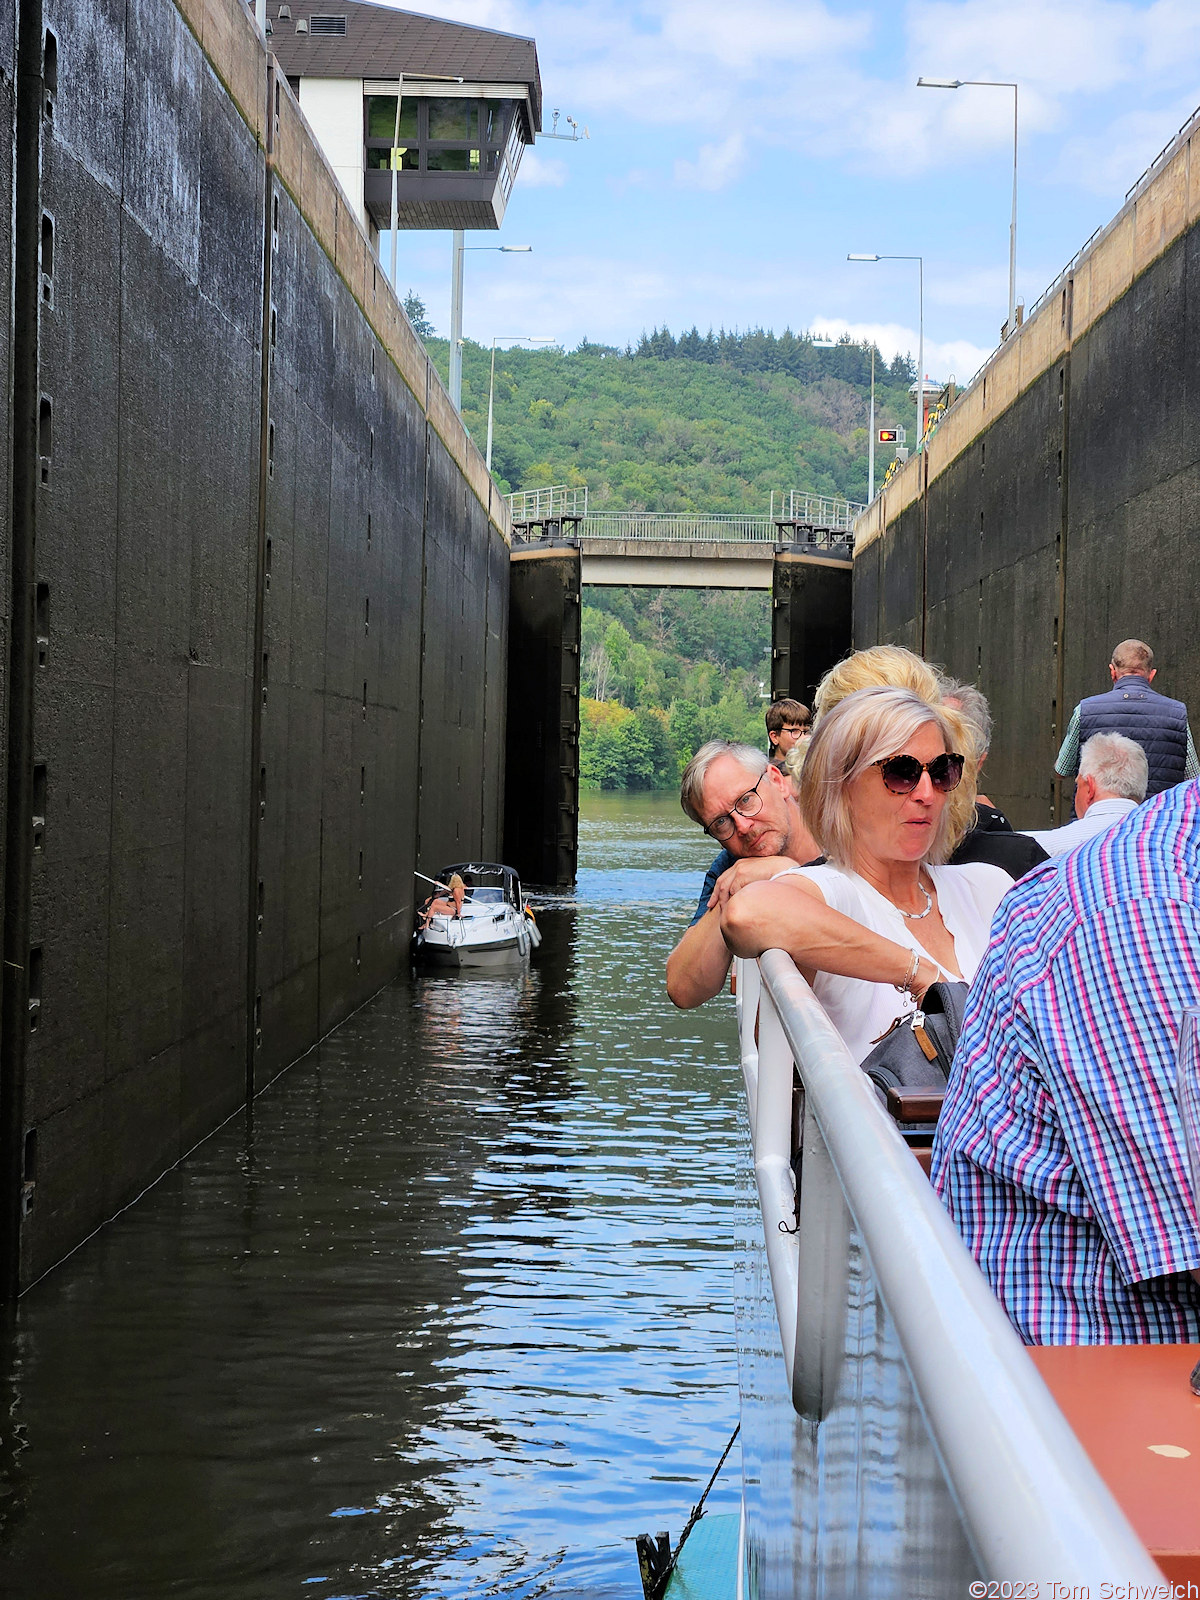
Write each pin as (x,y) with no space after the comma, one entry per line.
(265,621)
(1055,508)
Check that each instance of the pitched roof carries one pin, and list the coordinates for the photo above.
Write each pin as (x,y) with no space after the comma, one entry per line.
(380,42)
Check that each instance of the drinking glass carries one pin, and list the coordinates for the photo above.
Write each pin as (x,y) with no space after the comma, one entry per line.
(1187,1060)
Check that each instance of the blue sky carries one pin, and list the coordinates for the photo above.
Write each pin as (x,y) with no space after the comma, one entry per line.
(740,148)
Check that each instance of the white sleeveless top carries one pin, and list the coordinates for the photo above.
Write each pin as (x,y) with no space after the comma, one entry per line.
(967,897)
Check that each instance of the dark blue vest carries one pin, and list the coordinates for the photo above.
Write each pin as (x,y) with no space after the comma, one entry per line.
(1159,725)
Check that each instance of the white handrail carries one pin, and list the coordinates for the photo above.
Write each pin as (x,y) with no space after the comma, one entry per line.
(1033,1506)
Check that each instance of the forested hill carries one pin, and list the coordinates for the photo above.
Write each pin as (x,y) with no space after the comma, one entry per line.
(703,422)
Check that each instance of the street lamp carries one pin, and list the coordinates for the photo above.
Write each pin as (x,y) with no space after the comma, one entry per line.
(509,338)
(456,304)
(993,83)
(920,260)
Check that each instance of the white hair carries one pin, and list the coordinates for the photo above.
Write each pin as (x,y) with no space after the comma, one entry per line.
(972,707)
(1118,765)
(691,787)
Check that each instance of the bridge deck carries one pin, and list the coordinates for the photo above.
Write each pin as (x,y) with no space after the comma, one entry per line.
(696,563)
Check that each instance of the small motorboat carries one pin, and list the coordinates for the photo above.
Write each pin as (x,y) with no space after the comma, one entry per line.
(495,927)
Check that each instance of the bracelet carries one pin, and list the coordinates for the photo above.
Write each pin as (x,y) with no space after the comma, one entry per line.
(906,983)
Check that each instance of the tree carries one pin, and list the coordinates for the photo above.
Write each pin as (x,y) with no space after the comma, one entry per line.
(684,722)
(414,308)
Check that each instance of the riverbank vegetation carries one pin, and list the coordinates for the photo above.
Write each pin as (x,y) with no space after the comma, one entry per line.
(661,671)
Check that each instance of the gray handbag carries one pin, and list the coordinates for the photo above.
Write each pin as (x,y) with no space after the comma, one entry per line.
(916,1051)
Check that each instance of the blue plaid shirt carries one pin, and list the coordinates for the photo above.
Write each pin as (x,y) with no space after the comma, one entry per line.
(1060,1153)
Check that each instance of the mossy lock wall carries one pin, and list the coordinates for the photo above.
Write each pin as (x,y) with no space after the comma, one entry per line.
(259,604)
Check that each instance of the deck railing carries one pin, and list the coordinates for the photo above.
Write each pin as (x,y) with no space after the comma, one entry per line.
(987,1480)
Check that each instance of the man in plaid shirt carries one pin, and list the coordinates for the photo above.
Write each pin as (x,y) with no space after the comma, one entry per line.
(1059,1152)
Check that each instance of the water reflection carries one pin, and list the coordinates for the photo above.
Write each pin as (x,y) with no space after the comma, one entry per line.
(451,1318)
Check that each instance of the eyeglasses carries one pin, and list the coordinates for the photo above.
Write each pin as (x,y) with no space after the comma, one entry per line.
(749,805)
(902,774)
(794,727)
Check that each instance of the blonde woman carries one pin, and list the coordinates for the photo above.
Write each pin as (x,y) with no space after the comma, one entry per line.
(438,906)
(876,787)
(985,832)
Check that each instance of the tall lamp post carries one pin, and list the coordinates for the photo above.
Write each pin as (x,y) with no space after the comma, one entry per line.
(507,338)
(871,434)
(920,260)
(456,303)
(993,83)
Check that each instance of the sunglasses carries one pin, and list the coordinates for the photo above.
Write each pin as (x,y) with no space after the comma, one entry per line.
(902,774)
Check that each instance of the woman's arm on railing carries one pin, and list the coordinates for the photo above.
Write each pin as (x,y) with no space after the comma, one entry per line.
(791,914)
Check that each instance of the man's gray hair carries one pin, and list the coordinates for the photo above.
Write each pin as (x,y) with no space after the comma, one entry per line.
(691,787)
(973,709)
(1118,765)
(1133,656)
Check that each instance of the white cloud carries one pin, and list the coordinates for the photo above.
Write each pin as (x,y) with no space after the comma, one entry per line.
(542,172)
(759,34)
(1115,157)
(953,358)
(716,166)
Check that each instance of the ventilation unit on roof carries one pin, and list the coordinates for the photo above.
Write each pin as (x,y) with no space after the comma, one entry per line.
(301,25)
(327,25)
(285,13)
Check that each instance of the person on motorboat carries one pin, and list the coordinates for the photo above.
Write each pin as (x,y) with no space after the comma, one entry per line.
(884,917)
(439,906)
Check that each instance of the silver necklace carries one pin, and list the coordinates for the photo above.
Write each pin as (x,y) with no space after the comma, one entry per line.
(916,916)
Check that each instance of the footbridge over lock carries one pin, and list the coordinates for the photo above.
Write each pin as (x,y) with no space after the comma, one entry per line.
(801,550)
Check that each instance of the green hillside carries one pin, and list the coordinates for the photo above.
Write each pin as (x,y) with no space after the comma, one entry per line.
(701,423)
(710,422)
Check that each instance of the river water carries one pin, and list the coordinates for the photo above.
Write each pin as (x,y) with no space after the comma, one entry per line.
(450,1316)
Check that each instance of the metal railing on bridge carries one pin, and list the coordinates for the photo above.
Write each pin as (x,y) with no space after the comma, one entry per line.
(676,526)
(541,505)
(793,515)
(920,1443)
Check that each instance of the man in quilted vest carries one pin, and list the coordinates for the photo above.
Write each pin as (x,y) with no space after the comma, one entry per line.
(1141,713)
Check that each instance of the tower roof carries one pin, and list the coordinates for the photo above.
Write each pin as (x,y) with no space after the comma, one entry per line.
(355,40)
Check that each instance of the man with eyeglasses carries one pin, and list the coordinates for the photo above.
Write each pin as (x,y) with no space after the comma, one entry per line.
(748,806)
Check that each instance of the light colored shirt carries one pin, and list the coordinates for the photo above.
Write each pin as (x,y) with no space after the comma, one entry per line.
(1060,1152)
(1099,817)
(967,896)
(1067,763)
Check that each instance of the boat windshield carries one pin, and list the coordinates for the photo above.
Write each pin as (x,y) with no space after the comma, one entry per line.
(486,896)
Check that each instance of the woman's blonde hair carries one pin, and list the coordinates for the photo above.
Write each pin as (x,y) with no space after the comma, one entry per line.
(882,666)
(868,726)
(456,882)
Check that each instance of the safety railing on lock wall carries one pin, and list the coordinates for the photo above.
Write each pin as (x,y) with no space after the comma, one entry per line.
(1032,1505)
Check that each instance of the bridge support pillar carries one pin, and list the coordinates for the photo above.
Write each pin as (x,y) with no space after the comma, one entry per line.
(810,621)
(541,785)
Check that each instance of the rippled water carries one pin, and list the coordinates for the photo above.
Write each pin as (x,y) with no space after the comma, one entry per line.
(453,1317)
